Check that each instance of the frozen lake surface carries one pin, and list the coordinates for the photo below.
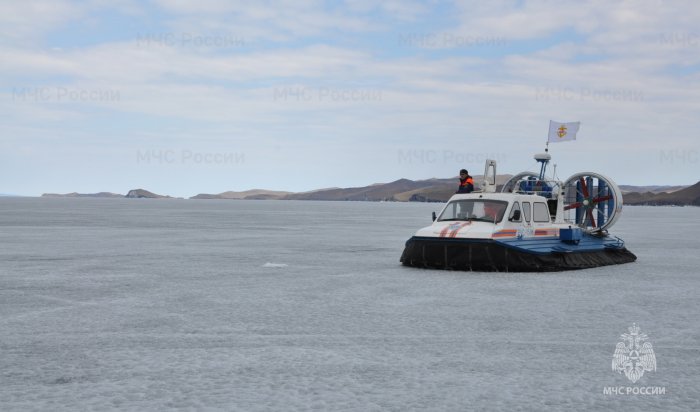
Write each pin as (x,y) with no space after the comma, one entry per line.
(281,305)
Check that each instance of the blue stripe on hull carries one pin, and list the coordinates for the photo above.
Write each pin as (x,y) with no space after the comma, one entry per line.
(554,245)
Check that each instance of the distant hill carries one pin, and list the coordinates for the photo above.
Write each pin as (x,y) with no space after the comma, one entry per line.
(440,190)
(690,196)
(375,192)
(443,189)
(247,194)
(405,190)
(142,193)
(652,189)
(74,194)
(134,194)
(402,190)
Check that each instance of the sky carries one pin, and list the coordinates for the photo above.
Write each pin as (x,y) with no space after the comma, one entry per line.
(184,97)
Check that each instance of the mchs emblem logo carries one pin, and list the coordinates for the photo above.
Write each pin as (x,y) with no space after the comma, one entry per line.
(561,132)
(634,355)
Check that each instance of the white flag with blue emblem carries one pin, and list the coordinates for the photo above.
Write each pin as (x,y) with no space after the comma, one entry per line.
(561,132)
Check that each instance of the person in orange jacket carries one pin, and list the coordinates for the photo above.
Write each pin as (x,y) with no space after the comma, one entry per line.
(466,183)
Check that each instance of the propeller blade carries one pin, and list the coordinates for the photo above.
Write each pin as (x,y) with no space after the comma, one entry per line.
(584,188)
(589,210)
(590,217)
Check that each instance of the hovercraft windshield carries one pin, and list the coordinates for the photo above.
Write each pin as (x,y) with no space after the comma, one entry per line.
(484,210)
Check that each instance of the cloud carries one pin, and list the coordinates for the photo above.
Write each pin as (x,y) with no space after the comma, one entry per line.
(26,22)
(279,20)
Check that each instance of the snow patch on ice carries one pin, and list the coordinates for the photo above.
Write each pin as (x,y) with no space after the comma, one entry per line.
(275,265)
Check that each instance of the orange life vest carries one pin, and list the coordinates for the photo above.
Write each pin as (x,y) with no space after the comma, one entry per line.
(467,181)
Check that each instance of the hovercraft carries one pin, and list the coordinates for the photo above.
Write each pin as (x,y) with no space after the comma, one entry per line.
(534,224)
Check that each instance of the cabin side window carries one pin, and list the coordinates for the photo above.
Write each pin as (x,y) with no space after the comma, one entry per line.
(526,211)
(513,210)
(541,212)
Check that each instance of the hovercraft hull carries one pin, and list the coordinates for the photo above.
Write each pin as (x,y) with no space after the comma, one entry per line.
(487,255)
